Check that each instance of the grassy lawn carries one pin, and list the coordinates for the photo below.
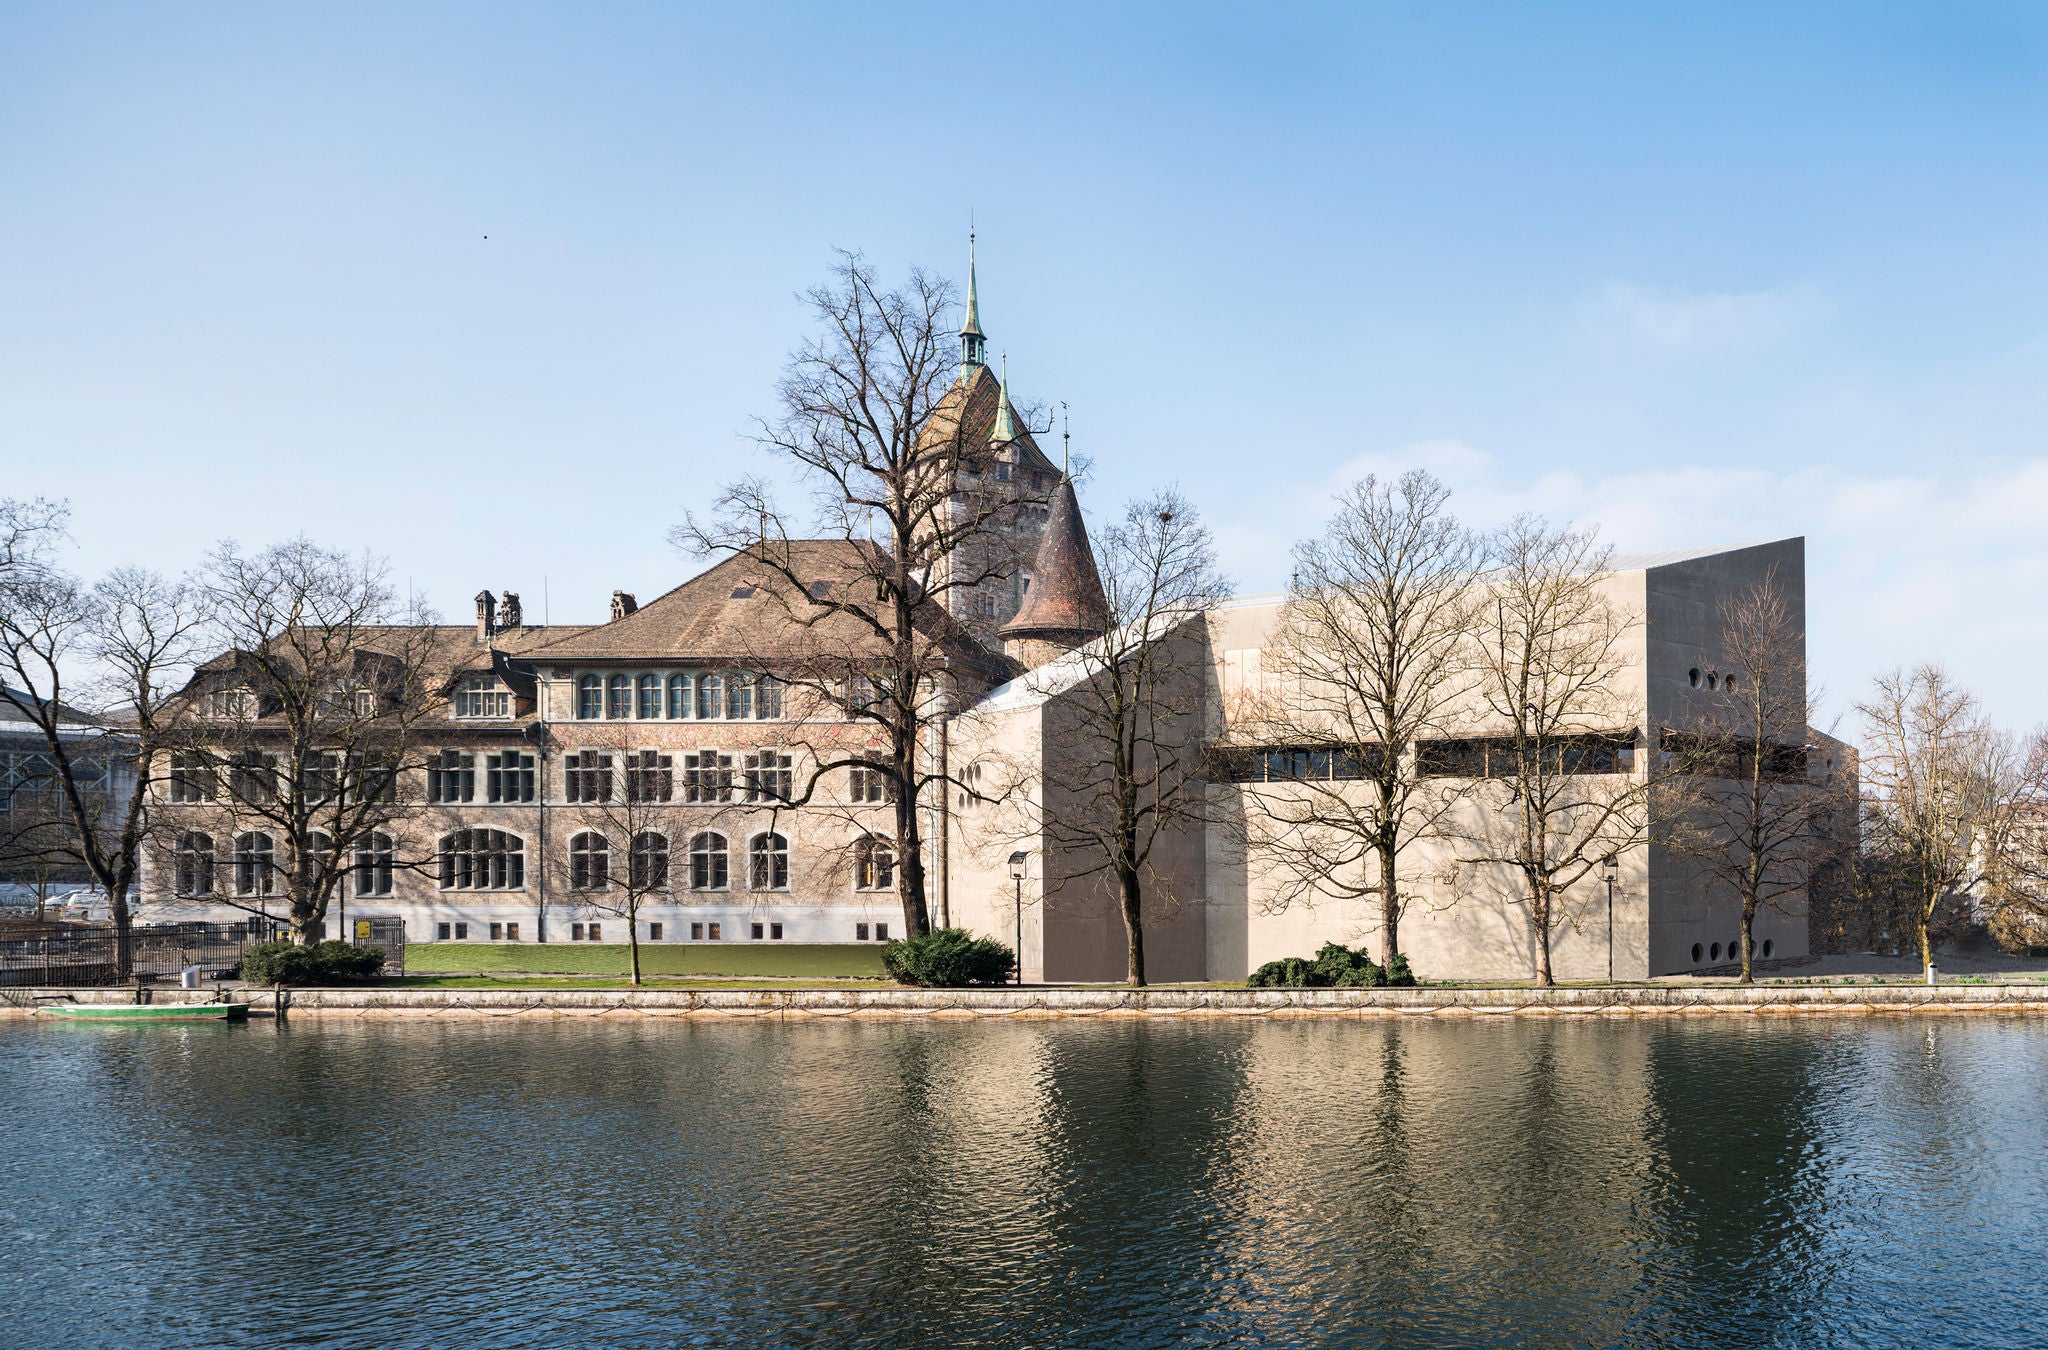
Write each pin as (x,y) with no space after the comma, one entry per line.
(593,982)
(780,960)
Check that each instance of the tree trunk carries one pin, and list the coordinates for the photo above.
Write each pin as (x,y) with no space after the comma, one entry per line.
(124,943)
(633,941)
(1134,926)
(910,868)
(1542,918)
(1390,910)
(1748,941)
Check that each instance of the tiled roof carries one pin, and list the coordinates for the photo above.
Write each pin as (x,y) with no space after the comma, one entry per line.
(973,401)
(744,610)
(1065,595)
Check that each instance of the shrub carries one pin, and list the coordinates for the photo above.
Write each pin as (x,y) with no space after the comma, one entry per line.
(327,963)
(947,958)
(1334,967)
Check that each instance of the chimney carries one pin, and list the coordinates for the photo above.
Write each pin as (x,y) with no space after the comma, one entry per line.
(508,613)
(484,626)
(623,604)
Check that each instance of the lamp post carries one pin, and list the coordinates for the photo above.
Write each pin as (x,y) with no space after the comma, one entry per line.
(1610,867)
(1017,861)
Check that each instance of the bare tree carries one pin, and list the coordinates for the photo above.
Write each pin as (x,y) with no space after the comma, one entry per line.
(131,637)
(1368,659)
(1943,789)
(900,491)
(1745,802)
(1563,790)
(1135,711)
(301,740)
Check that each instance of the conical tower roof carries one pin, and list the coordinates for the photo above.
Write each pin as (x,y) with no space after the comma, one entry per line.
(1065,599)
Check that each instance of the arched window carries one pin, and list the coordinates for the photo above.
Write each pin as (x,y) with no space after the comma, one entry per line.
(483,860)
(318,855)
(590,862)
(874,864)
(192,864)
(650,695)
(650,861)
(710,697)
(589,698)
(373,865)
(679,696)
(768,863)
(618,697)
(708,862)
(255,864)
(739,697)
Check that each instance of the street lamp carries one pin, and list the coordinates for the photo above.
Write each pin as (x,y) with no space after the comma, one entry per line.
(1017,861)
(1610,867)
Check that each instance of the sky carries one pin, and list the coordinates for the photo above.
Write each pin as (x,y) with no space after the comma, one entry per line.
(494,290)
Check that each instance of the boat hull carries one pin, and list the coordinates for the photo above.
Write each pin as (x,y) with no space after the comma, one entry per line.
(146,1012)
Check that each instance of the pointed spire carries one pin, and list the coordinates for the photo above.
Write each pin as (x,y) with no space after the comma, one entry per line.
(1005,429)
(973,342)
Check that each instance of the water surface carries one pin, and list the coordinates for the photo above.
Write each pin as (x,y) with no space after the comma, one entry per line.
(1795,1182)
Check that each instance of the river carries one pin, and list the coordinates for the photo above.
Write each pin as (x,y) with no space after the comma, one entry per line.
(1660,1182)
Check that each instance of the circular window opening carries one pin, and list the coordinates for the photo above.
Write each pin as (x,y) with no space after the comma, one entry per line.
(1716,953)
(1695,953)
(1729,684)
(1693,677)
(1767,946)
(1712,679)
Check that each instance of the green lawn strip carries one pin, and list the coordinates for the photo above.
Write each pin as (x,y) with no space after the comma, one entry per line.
(518,982)
(793,960)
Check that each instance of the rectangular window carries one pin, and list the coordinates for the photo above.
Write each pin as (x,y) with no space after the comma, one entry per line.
(714,932)
(881,932)
(575,932)
(860,932)
(320,776)
(597,932)
(775,932)
(192,777)
(696,932)
(461,932)
(253,777)
(232,704)
(441,931)
(868,786)
(757,932)
(707,776)
(618,697)
(770,777)
(482,696)
(654,932)
(511,932)
(497,932)
(451,777)
(649,777)
(375,778)
(509,776)
(587,776)
(589,698)
(768,698)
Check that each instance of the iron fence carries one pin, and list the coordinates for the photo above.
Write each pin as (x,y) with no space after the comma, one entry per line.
(72,958)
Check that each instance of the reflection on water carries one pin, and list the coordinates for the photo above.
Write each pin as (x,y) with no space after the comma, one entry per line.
(1697,1183)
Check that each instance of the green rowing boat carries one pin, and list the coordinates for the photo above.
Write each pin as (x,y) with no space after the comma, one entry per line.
(147,1012)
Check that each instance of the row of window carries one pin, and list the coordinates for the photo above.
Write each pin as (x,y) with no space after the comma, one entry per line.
(495,860)
(457,930)
(702,696)
(1465,757)
(510,776)
(1702,955)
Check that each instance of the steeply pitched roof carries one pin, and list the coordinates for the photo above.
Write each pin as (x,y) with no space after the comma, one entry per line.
(972,404)
(741,609)
(1065,595)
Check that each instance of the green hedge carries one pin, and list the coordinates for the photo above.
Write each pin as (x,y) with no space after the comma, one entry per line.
(948,958)
(327,963)
(1334,967)
(783,960)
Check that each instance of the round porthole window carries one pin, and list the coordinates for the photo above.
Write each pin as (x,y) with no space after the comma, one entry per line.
(1712,679)
(1767,946)
(1695,953)
(1729,684)
(1716,951)
(1693,677)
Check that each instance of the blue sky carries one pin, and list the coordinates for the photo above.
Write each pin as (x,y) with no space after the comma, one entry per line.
(1697,273)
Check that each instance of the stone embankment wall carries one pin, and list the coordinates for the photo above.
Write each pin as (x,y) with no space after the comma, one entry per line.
(1099,1002)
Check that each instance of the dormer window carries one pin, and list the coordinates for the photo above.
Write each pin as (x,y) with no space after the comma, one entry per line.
(230,704)
(483,696)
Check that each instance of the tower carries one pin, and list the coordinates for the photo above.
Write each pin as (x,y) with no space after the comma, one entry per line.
(1064,605)
(973,342)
